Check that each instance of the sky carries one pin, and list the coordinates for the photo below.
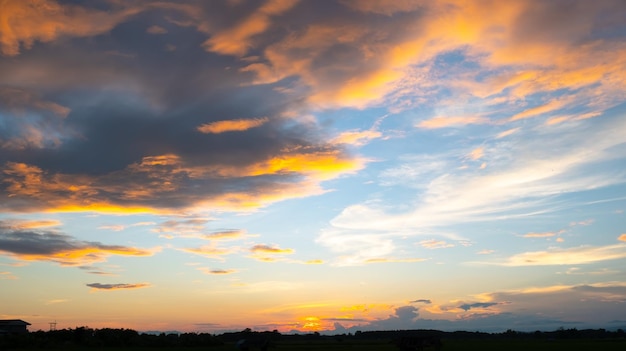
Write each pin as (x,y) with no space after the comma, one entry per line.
(327,166)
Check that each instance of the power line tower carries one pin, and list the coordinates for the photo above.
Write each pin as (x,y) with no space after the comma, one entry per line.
(53,326)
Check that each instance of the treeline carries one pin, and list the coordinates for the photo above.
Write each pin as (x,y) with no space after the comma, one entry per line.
(84,337)
(560,333)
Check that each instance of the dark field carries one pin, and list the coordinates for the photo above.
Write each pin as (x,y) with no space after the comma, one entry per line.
(387,345)
(456,345)
(84,338)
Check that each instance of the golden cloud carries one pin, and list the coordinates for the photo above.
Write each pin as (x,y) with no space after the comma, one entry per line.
(211,251)
(226,235)
(357,138)
(24,22)
(266,249)
(525,46)
(62,249)
(165,183)
(236,125)
(267,253)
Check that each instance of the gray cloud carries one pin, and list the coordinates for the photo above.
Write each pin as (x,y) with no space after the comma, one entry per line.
(123,110)
(587,306)
(59,248)
(119,286)
(469,306)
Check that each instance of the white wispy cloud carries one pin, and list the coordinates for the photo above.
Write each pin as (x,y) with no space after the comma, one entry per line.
(569,256)
(522,179)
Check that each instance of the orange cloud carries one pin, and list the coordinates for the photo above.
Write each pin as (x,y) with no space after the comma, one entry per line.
(17,100)
(357,138)
(24,22)
(236,40)
(237,125)
(211,251)
(477,153)
(561,119)
(366,308)
(161,184)
(62,249)
(26,224)
(507,133)
(360,91)
(382,6)
(321,165)
(528,46)
(266,253)
(83,255)
(225,235)
(539,110)
(266,249)
(622,237)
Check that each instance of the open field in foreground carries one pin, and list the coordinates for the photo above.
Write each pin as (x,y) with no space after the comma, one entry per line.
(387,345)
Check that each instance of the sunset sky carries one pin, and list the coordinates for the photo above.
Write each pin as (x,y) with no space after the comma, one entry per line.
(307,165)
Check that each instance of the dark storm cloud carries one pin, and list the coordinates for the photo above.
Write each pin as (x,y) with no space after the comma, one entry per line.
(469,306)
(129,137)
(406,317)
(119,286)
(59,248)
